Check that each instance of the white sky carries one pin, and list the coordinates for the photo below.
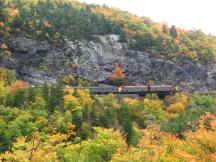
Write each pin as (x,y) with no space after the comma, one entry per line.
(187,14)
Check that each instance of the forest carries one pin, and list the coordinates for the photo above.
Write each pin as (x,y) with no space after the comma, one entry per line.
(54,122)
(58,20)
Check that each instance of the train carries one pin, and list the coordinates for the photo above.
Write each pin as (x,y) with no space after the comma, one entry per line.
(132,89)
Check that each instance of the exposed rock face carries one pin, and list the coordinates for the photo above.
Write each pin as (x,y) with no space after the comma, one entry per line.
(39,61)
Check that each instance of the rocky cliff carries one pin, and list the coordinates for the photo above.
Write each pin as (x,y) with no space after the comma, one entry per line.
(38,61)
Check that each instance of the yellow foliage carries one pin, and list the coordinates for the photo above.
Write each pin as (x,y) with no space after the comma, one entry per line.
(5,53)
(84,98)
(12,13)
(3,46)
(184,98)
(105,142)
(130,102)
(4,50)
(70,129)
(200,143)
(153,104)
(178,97)
(56,139)
(68,79)
(133,155)
(36,149)
(68,90)
(71,102)
(41,122)
(177,103)
(156,145)
(108,101)
(185,156)
(176,108)
(213,124)
(4,75)
(4,90)
(39,103)
(1,24)
(210,158)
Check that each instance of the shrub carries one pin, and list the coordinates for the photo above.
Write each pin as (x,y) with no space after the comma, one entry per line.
(176,108)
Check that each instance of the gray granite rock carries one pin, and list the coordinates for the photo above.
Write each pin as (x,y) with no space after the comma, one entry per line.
(39,61)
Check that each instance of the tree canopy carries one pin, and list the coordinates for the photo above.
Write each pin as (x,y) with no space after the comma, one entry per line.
(58,20)
(54,122)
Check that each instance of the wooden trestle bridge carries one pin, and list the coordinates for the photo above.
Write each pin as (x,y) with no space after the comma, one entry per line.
(141,91)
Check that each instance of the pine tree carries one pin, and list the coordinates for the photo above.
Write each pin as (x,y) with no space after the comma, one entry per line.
(173,32)
(126,122)
(20,96)
(77,119)
(60,95)
(52,100)
(55,98)
(45,92)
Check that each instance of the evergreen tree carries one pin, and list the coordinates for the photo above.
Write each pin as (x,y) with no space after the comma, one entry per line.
(59,96)
(53,100)
(126,122)
(94,118)
(77,119)
(173,32)
(31,94)
(104,120)
(45,92)
(20,96)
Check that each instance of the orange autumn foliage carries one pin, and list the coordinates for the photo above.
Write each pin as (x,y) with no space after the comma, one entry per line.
(1,24)
(19,84)
(117,76)
(12,12)
(46,23)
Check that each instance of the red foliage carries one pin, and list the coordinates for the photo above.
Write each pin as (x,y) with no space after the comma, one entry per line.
(117,73)
(19,84)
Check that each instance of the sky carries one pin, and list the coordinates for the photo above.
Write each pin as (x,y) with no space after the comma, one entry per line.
(187,14)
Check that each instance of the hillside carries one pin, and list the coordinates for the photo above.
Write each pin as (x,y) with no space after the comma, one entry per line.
(49,46)
(58,20)
(86,41)
(53,122)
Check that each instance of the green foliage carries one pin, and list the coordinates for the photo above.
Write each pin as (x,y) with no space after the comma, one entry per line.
(57,123)
(188,120)
(7,76)
(173,32)
(55,98)
(56,21)
(126,122)
(102,147)
(4,91)
(201,101)
(77,119)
